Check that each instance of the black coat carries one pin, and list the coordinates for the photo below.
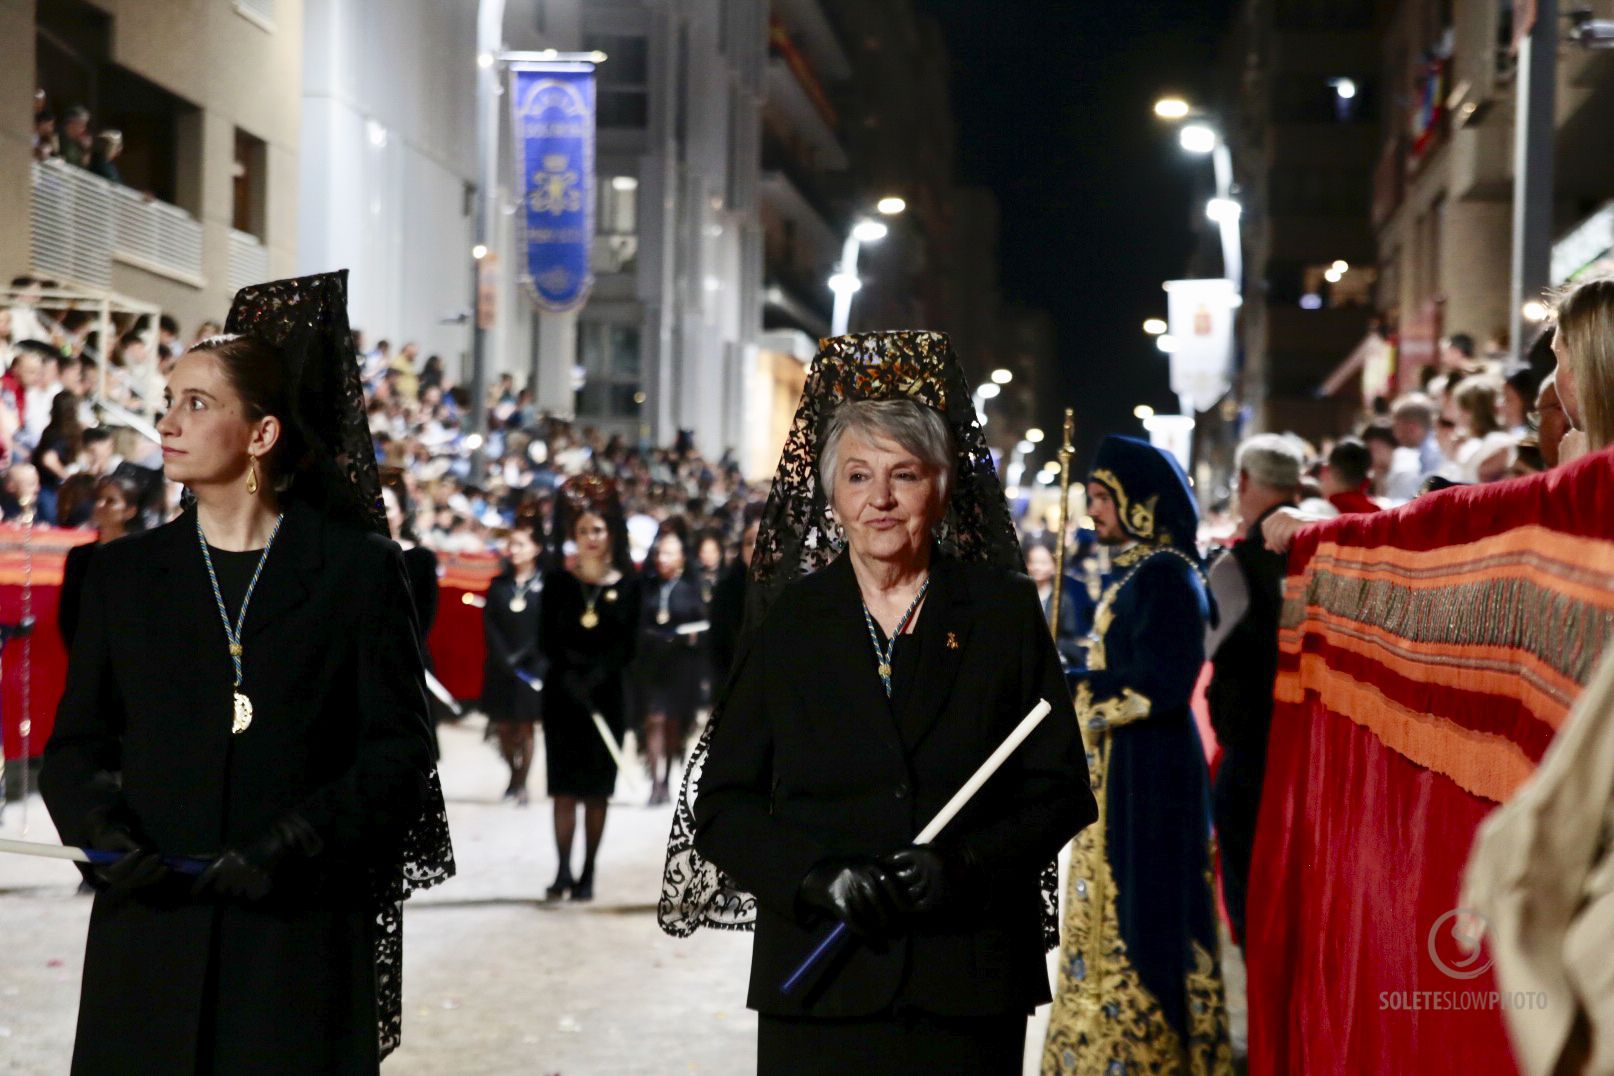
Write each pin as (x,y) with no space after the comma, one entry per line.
(727,612)
(339,734)
(74,569)
(511,636)
(810,760)
(668,667)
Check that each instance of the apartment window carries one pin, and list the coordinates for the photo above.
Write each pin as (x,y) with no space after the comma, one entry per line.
(616,223)
(609,356)
(249,184)
(622,82)
(617,204)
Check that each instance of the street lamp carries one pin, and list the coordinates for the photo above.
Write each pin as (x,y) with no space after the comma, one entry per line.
(1223,211)
(984,392)
(1034,435)
(845,283)
(869,231)
(1001,376)
(1200,137)
(1197,138)
(1171,108)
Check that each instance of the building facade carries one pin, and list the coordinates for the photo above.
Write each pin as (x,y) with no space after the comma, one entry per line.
(1443,189)
(206,96)
(1302,135)
(388,151)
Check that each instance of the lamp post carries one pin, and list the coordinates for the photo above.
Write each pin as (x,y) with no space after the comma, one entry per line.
(845,282)
(1199,137)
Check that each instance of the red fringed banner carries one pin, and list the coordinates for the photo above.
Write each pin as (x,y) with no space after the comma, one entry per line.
(1427,658)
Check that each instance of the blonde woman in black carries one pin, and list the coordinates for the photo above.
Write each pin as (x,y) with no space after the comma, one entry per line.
(587,632)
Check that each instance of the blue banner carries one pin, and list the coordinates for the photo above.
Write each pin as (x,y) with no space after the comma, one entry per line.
(554,152)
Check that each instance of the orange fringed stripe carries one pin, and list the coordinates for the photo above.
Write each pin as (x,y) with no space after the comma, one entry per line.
(1534,543)
(1485,764)
(1500,670)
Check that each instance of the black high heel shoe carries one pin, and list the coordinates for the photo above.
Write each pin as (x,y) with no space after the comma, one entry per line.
(583,888)
(563,884)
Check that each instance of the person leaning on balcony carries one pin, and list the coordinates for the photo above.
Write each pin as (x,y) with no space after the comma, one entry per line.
(108,146)
(76,144)
(45,140)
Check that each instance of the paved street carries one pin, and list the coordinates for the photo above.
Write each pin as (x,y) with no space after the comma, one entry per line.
(496,981)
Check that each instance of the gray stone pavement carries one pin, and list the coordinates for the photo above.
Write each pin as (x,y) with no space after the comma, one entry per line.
(496,981)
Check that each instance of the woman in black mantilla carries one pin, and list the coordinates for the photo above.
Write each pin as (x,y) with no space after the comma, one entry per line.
(514,672)
(246,686)
(874,676)
(587,633)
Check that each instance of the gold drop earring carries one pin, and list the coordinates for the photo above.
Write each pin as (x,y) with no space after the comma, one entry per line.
(252,474)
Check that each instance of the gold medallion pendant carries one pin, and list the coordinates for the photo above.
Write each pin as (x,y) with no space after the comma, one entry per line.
(885,670)
(590,619)
(518,604)
(663,617)
(243,714)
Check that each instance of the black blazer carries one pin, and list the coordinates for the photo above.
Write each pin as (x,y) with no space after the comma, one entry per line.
(339,733)
(74,569)
(810,760)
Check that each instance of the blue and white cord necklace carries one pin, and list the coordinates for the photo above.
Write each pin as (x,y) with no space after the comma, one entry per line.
(883,656)
(243,705)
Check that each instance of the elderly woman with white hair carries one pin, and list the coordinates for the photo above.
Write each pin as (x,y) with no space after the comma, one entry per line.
(863,697)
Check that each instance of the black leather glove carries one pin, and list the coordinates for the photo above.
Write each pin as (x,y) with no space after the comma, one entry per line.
(933,877)
(856,891)
(141,866)
(248,872)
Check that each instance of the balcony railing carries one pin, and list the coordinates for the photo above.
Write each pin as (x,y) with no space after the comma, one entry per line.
(82,223)
(249,260)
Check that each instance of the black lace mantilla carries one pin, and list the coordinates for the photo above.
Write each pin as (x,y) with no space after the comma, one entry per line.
(797,537)
(306,319)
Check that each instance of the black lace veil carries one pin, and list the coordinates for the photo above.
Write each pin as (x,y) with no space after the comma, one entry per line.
(306,320)
(796,537)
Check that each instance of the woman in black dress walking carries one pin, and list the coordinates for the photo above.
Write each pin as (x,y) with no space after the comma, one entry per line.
(513,674)
(587,631)
(669,665)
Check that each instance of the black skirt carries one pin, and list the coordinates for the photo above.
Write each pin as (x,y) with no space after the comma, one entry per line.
(892,1045)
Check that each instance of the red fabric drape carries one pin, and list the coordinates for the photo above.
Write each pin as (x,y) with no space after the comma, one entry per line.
(1427,656)
(32,563)
(1359,854)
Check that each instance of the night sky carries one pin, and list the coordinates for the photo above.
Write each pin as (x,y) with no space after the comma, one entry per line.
(1053,100)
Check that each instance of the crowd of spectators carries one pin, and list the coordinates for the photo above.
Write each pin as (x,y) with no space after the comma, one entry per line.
(1472,421)
(464,491)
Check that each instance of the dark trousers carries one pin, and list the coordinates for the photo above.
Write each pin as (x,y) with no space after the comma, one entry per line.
(1235,804)
(891,1045)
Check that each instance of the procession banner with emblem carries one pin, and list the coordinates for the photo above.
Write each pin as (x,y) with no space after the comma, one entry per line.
(1200,313)
(553,122)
